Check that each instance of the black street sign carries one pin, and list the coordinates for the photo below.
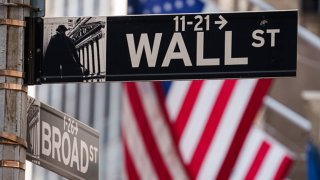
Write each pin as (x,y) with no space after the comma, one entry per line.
(163,47)
(202,46)
(61,143)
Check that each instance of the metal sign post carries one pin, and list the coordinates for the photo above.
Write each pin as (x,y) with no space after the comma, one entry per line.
(13,92)
(61,143)
(166,47)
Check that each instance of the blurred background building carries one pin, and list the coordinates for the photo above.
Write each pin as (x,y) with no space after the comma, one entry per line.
(291,109)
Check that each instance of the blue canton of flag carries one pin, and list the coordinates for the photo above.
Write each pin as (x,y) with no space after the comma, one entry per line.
(164,6)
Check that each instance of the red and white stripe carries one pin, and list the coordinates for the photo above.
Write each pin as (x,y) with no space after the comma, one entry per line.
(149,149)
(210,122)
(262,157)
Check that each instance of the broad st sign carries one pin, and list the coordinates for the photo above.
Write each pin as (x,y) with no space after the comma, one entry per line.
(202,46)
(61,143)
(164,47)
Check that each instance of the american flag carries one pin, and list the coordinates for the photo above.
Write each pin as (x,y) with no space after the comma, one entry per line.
(210,121)
(158,146)
(262,157)
(149,148)
(198,130)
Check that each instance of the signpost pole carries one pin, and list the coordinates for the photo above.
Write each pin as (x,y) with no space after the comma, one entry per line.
(13,94)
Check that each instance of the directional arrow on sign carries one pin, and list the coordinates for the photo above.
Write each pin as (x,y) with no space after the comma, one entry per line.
(222,22)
